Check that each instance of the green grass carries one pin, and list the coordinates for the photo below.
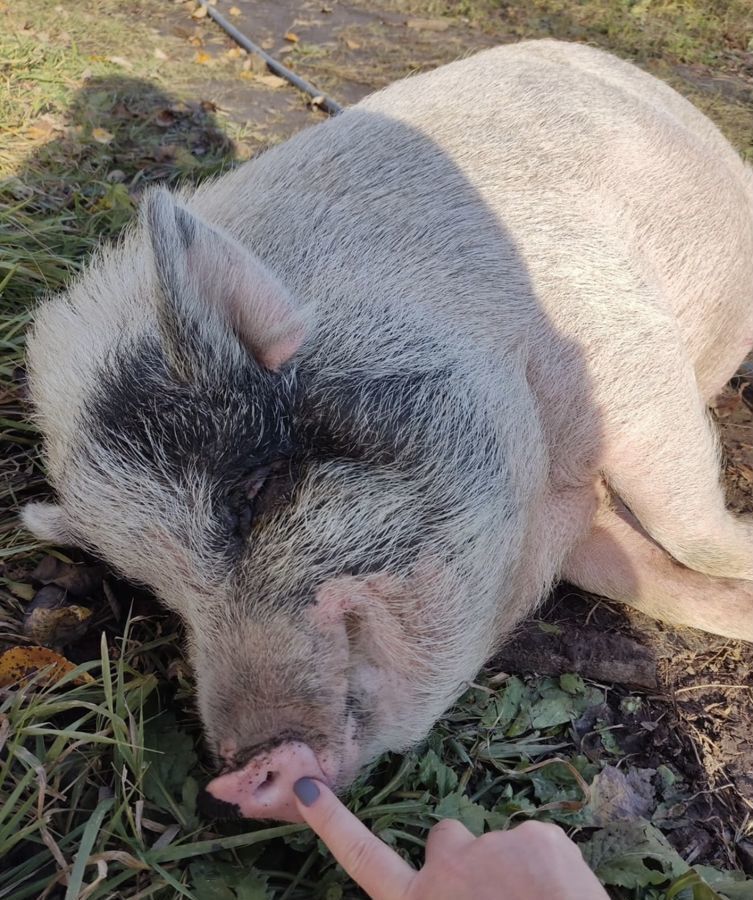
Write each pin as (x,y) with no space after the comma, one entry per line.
(98,781)
(682,41)
(711,32)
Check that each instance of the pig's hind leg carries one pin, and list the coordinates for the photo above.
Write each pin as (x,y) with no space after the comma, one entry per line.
(662,459)
(617,559)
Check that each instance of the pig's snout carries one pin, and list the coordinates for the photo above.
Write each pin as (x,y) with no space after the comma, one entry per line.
(263,788)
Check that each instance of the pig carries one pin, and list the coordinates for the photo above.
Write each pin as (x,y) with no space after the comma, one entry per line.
(352,408)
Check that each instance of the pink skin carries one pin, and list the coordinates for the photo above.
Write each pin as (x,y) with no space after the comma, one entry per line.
(263,788)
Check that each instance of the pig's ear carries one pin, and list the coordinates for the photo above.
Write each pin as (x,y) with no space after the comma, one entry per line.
(208,279)
(48,522)
(370,608)
(335,599)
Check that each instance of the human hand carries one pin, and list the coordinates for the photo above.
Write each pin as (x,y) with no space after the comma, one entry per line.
(532,861)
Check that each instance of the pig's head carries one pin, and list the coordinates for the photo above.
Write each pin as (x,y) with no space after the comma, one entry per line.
(314,524)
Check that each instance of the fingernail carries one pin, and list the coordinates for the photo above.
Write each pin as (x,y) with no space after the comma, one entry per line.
(307,790)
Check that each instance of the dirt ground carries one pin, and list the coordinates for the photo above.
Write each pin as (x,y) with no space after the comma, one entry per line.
(351,49)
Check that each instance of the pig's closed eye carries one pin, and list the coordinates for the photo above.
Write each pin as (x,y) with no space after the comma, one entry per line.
(248,499)
(257,480)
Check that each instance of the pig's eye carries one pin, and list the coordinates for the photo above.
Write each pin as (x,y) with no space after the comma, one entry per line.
(254,496)
(258,478)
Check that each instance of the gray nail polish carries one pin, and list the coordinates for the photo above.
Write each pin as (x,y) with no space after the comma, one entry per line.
(307,790)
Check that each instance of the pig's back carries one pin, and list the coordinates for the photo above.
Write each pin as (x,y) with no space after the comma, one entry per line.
(564,161)
(535,198)
(589,161)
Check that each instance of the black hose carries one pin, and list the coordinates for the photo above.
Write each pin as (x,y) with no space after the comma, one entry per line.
(322,101)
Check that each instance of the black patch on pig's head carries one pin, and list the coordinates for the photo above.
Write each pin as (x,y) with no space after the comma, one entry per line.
(225,423)
(228,424)
(263,492)
(376,420)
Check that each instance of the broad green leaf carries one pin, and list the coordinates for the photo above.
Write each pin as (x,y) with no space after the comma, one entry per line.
(436,774)
(458,806)
(505,706)
(573,684)
(552,711)
(732,885)
(171,756)
(619,855)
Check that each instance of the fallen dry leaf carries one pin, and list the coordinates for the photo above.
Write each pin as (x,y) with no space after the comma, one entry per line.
(120,61)
(234,53)
(199,13)
(75,579)
(202,58)
(267,43)
(102,135)
(243,150)
(352,45)
(42,128)
(292,37)
(254,63)
(19,589)
(272,81)
(52,621)
(234,11)
(616,795)
(21,663)
(165,118)
(159,54)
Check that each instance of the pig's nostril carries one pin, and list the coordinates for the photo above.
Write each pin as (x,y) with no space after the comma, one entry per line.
(269,780)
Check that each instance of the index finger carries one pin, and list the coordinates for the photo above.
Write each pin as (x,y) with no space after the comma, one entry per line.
(368,861)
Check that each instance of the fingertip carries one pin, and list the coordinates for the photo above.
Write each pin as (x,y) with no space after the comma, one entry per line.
(373,865)
(318,805)
(307,791)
